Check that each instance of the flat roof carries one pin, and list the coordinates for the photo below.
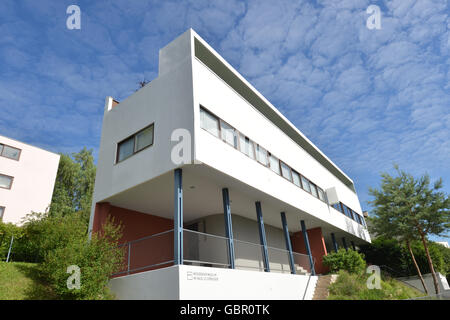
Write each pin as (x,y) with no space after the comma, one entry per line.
(228,74)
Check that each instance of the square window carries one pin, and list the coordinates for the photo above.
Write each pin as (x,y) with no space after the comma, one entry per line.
(144,139)
(274,164)
(314,190)
(209,122)
(306,186)
(5,181)
(125,149)
(285,171)
(321,194)
(247,146)
(10,152)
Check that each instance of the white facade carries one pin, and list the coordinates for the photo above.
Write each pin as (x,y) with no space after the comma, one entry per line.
(33,178)
(194,79)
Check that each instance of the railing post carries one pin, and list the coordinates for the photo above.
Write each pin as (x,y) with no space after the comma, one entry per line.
(344,243)
(335,245)
(288,242)
(262,236)
(129,257)
(178,217)
(228,226)
(308,249)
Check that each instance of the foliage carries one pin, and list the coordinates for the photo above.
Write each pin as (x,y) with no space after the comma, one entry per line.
(353,286)
(74,184)
(7,230)
(395,255)
(98,259)
(350,261)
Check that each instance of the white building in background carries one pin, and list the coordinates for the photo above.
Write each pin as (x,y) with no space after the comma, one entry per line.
(249,215)
(27,178)
(444,243)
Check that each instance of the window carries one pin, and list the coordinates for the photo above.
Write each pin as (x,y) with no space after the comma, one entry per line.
(144,139)
(314,190)
(228,134)
(296,179)
(337,206)
(285,171)
(357,217)
(305,184)
(247,146)
(137,142)
(9,152)
(5,181)
(209,122)
(2,211)
(321,194)
(274,164)
(347,211)
(261,155)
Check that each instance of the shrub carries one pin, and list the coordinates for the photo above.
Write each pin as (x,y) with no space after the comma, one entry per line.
(97,259)
(350,261)
(7,230)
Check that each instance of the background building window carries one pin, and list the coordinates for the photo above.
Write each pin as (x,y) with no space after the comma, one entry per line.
(9,152)
(228,134)
(2,212)
(305,183)
(5,181)
(144,139)
(274,164)
(285,171)
(209,122)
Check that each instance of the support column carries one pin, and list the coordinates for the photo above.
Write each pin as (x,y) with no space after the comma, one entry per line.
(335,245)
(308,248)
(228,226)
(344,243)
(353,245)
(262,236)
(288,242)
(178,217)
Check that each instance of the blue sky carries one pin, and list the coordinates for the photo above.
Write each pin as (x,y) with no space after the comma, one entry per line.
(367,98)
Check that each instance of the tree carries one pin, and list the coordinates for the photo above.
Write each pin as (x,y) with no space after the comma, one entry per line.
(74,184)
(407,209)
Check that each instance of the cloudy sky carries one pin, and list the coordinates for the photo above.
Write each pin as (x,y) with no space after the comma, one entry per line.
(367,98)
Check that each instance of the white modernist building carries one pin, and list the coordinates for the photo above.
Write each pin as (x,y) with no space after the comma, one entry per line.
(27,178)
(220,195)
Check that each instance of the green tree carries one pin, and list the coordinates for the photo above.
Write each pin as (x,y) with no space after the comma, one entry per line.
(406,209)
(74,184)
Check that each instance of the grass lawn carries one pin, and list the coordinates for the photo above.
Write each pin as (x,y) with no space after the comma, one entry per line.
(21,281)
(353,287)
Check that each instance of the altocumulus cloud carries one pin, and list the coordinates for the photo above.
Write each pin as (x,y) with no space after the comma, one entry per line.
(367,98)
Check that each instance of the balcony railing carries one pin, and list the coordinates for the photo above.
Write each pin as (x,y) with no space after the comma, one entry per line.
(207,250)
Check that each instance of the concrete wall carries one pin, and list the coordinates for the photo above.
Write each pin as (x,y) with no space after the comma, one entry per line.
(34,179)
(202,283)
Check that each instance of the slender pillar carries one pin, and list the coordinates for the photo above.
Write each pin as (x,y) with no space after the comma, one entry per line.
(308,249)
(288,242)
(178,218)
(228,226)
(262,236)
(335,245)
(353,245)
(344,243)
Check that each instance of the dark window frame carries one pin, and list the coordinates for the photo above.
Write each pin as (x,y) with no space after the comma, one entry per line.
(2,213)
(11,184)
(7,145)
(133,136)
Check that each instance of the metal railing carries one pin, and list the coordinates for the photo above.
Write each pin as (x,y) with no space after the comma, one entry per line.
(202,249)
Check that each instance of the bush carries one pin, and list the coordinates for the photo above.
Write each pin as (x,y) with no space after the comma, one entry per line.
(350,261)
(97,259)
(7,230)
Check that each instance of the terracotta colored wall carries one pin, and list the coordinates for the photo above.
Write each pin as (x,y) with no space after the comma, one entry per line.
(317,244)
(137,225)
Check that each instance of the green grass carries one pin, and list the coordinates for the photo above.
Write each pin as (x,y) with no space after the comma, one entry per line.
(353,287)
(21,281)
